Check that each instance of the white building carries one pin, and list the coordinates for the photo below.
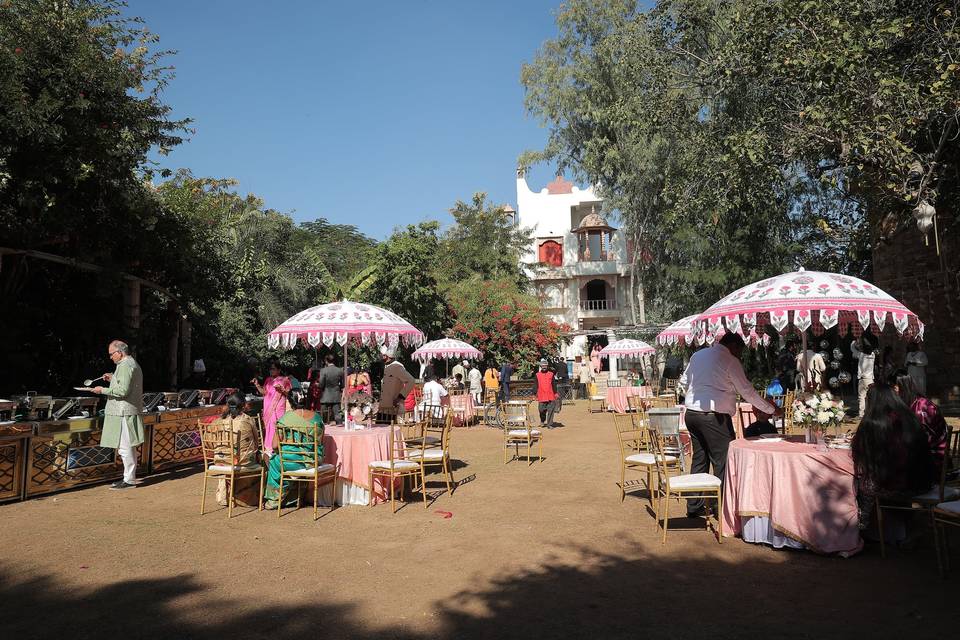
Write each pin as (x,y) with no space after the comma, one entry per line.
(578,262)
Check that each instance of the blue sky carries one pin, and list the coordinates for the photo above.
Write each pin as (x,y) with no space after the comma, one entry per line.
(375,114)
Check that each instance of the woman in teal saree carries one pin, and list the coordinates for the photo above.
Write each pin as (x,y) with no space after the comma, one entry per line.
(294,456)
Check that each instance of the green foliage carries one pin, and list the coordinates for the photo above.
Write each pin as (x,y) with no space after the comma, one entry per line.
(346,250)
(404,280)
(79,112)
(482,243)
(741,138)
(503,323)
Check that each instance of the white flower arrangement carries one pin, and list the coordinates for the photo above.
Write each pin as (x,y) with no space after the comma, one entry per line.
(818,411)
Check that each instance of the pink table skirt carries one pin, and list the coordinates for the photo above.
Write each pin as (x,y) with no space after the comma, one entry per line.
(617,397)
(807,495)
(355,450)
(463,409)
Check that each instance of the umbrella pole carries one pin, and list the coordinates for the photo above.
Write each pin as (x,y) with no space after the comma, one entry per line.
(806,365)
(343,394)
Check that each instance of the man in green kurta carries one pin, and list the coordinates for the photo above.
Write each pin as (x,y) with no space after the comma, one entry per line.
(122,421)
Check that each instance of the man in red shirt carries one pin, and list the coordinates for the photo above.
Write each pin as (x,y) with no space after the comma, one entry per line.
(545,389)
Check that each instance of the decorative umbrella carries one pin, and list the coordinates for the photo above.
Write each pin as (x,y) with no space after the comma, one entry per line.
(626,347)
(681,332)
(344,322)
(807,299)
(446,348)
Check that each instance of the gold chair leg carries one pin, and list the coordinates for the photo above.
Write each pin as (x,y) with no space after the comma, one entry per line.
(230,499)
(666,517)
(623,493)
(203,496)
(280,496)
(446,471)
(372,477)
(262,482)
(316,487)
(719,518)
(393,502)
(423,486)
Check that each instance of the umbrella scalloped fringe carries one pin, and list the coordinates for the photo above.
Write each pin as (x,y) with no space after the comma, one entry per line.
(342,323)
(446,348)
(807,300)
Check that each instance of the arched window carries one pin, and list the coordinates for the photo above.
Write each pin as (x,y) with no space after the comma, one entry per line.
(551,253)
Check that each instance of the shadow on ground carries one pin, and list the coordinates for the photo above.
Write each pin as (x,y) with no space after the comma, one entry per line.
(782,595)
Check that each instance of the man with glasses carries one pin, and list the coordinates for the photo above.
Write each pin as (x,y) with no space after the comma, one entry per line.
(122,421)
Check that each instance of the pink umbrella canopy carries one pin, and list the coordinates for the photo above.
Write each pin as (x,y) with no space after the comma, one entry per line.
(682,332)
(626,347)
(446,348)
(808,299)
(343,322)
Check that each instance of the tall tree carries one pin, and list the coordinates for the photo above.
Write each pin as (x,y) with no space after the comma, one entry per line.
(482,243)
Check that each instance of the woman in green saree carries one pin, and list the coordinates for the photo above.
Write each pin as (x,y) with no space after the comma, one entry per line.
(294,456)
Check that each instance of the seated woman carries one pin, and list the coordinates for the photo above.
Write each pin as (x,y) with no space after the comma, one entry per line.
(926,411)
(294,457)
(891,456)
(245,428)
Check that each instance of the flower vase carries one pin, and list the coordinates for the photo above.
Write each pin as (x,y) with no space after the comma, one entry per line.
(821,442)
(808,436)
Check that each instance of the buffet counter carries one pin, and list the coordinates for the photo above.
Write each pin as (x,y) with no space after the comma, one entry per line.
(43,457)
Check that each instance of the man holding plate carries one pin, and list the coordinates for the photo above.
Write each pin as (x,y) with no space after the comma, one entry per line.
(122,422)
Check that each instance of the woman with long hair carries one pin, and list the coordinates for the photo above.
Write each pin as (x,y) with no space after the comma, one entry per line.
(927,413)
(891,456)
(275,391)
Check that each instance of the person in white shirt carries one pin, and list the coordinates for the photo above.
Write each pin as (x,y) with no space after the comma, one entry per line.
(866,361)
(916,363)
(460,368)
(433,394)
(711,383)
(811,374)
(475,379)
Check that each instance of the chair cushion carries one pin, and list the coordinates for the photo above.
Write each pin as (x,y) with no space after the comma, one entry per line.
(324,468)
(522,433)
(398,465)
(227,468)
(429,454)
(949,493)
(952,507)
(646,458)
(695,481)
(598,397)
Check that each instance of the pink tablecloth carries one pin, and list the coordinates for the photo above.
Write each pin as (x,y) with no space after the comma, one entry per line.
(355,450)
(807,495)
(463,409)
(617,397)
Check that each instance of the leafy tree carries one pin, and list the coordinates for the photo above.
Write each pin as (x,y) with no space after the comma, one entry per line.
(80,109)
(404,280)
(503,323)
(740,138)
(482,242)
(344,249)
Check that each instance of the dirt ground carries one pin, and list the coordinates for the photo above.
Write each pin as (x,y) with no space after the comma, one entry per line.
(545,550)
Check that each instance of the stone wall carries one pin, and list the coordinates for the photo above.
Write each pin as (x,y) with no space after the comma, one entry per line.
(930,287)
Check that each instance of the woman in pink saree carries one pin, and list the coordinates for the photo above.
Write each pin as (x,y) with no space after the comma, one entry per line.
(274,390)
(595,363)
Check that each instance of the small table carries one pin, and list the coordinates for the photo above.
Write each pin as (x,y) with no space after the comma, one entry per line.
(354,451)
(463,409)
(783,492)
(617,397)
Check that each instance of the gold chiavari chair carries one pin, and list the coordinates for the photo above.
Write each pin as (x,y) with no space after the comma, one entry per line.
(396,467)
(434,449)
(299,453)
(673,483)
(942,492)
(518,430)
(661,402)
(221,456)
(635,452)
(636,404)
(789,428)
(489,407)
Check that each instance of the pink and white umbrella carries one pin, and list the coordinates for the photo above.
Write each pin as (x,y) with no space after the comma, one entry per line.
(343,322)
(807,299)
(682,332)
(626,347)
(446,348)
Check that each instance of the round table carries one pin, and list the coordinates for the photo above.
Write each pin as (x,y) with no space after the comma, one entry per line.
(786,493)
(463,409)
(617,397)
(354,451)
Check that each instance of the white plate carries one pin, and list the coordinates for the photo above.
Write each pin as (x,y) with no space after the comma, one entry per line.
(84,388)
(774,439)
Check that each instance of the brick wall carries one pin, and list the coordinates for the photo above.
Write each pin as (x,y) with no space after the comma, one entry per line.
(930,287)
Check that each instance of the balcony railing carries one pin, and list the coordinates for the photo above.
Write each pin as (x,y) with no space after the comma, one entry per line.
(601,256)
(598,305)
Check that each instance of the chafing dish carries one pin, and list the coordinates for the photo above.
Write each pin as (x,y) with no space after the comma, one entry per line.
(188,398)
(219,396)
(8,410)
(34,407)
(78,406)
(151,400)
